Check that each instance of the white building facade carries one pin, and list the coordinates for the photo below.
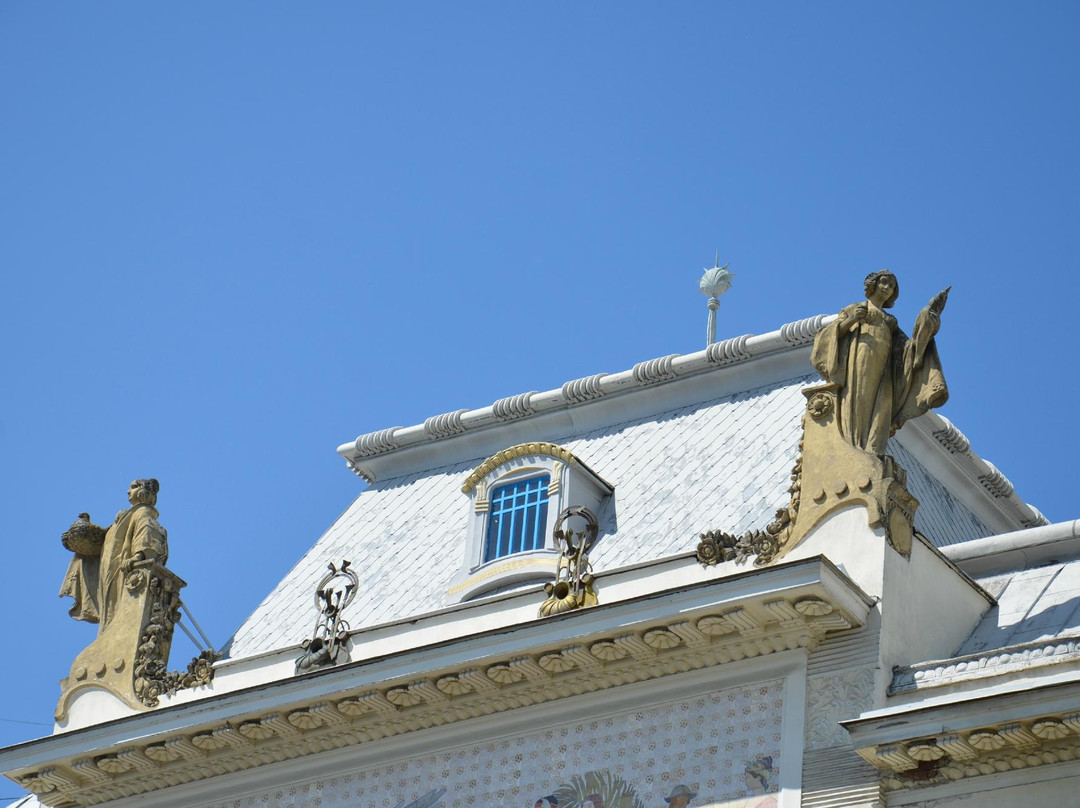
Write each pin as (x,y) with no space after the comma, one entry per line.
(842,673)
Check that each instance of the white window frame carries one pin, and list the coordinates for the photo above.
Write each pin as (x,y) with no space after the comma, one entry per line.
(571,483)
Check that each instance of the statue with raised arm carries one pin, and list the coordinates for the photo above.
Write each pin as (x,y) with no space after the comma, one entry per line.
(883,378)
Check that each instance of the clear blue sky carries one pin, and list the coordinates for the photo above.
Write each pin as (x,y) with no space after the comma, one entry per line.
(236,235)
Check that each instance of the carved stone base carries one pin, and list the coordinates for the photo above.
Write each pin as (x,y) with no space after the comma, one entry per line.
(836,474)
(130,655)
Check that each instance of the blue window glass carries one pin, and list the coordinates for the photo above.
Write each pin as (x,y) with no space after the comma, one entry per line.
(517,518)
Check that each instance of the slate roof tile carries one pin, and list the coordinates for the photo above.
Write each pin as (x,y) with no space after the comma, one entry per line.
(721,464)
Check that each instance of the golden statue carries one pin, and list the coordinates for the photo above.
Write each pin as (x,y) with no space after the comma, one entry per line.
(876,378)
(883,377)
(95,575)
(119,580)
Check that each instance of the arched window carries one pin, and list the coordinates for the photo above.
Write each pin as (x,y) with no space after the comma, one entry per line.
(518,517)
(515,498)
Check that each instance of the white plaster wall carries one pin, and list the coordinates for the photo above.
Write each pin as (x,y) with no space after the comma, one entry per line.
(928,608)
(92,705)
(847,540)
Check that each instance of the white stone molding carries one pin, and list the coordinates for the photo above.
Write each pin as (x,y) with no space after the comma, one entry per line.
(974,480)
(999,662)
(729,351)
(653,371)
(1026,728)
(802,332)
(951,438)
(578,391)
(445,425)
(362,453)
(647,650)
(375,443)
(513,407)
(996,483)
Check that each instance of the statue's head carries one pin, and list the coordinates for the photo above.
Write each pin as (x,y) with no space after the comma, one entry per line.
(874,279)
(143,492)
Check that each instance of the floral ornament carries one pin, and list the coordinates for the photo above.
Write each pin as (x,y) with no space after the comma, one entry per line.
(760,543)
(708,551)
(716,546)
(819,405)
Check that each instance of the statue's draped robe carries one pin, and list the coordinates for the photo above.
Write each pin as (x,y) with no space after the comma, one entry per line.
(96,582)
(884,378)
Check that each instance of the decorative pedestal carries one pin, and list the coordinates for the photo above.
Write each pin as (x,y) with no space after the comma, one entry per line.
(835,474)
(130,656)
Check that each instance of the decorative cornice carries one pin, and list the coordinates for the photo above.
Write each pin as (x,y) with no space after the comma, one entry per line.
(1011,659)
(988,749)
(761,626)
(801,332)
(445,425)
(579,391)
(513,407)
(1007,511)
(996,483)
(653,371)
(377,442)
(360,472)
(728,352)
(951,438)
(514,452)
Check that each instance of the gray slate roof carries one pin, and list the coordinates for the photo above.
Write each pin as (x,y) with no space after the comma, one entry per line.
(1033,605)
(721,464)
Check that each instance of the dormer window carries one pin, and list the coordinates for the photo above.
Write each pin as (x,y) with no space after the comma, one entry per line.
(517,518)
(515,497)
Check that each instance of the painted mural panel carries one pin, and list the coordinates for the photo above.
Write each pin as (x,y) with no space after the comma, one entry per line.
(715,750)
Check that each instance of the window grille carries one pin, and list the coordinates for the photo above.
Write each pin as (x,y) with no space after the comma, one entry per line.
(518,517)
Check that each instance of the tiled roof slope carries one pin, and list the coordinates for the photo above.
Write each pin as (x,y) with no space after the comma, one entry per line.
(1032,606)
(1032,630)
(721,464)
(941,517)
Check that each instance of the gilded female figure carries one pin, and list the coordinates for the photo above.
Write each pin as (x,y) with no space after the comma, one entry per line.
(884,378)
(95,577)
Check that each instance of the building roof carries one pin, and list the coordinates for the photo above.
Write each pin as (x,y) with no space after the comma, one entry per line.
(1034,576)
(690,443)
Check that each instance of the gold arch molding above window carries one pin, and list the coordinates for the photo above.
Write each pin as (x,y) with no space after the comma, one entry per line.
(513,453)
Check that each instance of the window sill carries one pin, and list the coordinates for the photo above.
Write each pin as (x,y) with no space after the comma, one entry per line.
(505,571)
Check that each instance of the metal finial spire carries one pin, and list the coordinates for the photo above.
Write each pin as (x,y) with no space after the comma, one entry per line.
(714,283)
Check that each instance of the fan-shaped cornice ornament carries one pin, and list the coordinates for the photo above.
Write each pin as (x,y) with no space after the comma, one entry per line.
(514,452)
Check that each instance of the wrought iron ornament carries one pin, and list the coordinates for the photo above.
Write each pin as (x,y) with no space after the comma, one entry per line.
(334,593)
(573,584)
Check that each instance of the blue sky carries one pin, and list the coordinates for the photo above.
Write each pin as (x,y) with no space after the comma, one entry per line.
(235,236)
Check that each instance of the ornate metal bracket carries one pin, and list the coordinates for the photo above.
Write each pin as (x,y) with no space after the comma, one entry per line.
(573,584)
(334,593)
